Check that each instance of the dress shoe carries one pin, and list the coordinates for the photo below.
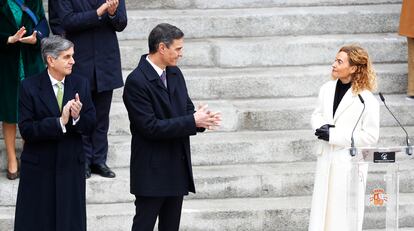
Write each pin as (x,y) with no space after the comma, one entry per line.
(410,97)
(14,175)
(87,171)
(103,170)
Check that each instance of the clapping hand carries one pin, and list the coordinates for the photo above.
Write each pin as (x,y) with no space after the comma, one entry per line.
(217,120)
(66,112)
(207,119)
(112,6)
(17,36)
(76,107)
(109,6)
(31,39)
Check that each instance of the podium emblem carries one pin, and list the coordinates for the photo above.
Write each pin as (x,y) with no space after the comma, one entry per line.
(378,197)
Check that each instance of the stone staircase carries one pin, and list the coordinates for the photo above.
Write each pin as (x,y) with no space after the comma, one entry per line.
(261,64)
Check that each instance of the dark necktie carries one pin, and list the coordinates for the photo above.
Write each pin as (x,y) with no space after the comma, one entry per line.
(163,78)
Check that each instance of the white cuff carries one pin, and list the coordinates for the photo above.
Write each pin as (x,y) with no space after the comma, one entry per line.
(62,126)
(75,121)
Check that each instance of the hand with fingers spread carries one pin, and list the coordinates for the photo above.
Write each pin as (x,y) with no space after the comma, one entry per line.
(112,6)
(217,120)
(207,119)
(17,36)
(76,107)
(66,112)
(31,39)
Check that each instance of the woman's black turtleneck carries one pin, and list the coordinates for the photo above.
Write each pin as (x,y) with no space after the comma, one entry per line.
(340,91)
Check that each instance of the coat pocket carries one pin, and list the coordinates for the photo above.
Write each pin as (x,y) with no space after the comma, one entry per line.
(34,159)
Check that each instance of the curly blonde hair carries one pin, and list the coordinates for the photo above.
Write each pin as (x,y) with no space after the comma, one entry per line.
(364,77)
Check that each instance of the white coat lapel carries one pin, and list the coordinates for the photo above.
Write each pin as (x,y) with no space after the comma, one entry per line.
(346,101)
(330,95)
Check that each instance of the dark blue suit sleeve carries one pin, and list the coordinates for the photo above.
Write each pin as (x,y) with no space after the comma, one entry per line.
(76,21)
(190,110)
(119,22)
(31,129)
(142,116)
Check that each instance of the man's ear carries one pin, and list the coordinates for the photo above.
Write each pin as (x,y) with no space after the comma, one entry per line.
(161,48)
(50,61)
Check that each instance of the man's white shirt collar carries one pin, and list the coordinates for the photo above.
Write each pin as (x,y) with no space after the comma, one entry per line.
(157,69)
(54,81)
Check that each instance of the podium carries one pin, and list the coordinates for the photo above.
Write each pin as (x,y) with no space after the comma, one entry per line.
(373,187)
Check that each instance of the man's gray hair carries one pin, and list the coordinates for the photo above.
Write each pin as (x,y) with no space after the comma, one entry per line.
(53,45)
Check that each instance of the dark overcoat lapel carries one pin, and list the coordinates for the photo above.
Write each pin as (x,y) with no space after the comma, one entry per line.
(47,95)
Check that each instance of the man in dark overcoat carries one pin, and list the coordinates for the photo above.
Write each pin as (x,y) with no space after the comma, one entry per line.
(92,25)
(162,119)
(55,110)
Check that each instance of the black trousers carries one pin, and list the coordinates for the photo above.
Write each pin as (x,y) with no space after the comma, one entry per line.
(167,209)
(96,145)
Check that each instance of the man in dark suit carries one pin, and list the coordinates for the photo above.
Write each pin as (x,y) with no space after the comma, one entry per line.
(92,25)
(162,118)
(55,110)
(54,19)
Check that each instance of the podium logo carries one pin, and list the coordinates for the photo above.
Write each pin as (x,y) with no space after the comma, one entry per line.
(384,156)
(378,197)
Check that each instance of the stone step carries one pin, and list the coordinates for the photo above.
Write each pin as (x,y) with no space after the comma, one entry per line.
(274,82)
(270,114)
(273,51)
(286,213)
(400,229)
(219,4)
(226,181)
(243,147)
(213,23)
(224,148)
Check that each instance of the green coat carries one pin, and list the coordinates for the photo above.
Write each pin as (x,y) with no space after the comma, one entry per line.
(10,55)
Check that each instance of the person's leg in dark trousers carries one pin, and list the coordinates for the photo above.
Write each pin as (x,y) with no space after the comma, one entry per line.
(102,102)
(146,212)
(170,214)
(96,145)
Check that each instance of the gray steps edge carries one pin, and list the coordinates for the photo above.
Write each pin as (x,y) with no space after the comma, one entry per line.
(274,82)
(244,147)
(273,51)
(219,4)
(285,214)
(270,114)
(235,4)
(227,181)
(206,23)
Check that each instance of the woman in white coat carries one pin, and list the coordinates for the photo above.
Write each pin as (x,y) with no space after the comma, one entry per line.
(334,118)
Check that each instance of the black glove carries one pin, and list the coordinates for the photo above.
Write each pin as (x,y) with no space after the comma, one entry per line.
(323,132)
